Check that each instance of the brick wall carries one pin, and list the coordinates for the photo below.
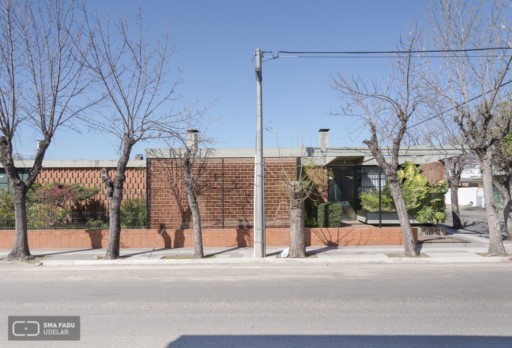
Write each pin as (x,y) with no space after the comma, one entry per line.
(226,193)
(227,237)
(87,239)
(434,171)
(358,235)
(135,184)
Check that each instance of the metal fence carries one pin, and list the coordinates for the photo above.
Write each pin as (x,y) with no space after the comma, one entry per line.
(369,178)
(91,213)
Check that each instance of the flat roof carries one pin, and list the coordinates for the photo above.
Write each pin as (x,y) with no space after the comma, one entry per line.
(324,156)
(79,164)
(320,156)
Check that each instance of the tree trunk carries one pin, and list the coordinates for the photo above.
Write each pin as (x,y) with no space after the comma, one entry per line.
(454,193)
(453,168)
(20,249)
(115,190)
(403,217)
(114,210)
(297,231)
(507,215)
(194,208)
(504,188)
(496,247)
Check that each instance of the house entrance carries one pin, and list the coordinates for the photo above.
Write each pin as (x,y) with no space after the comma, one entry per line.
(347,182)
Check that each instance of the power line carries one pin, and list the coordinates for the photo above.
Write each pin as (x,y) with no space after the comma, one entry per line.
(377,56)
(383,54)
(277,53)
(454,107)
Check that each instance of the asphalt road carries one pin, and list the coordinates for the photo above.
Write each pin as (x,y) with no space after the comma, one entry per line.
(293,305)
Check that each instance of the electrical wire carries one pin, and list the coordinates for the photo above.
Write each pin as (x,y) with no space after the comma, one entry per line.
(380,57)
(392,54)
(277,53)
(454,107)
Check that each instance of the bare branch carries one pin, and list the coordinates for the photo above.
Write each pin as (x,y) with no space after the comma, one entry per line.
(477,88)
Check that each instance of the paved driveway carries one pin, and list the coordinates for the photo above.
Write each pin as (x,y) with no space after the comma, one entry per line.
(474,220)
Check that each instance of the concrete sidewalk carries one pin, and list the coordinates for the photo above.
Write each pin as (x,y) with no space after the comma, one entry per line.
(461,247)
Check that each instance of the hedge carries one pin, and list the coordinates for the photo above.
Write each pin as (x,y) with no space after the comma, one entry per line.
(329,214)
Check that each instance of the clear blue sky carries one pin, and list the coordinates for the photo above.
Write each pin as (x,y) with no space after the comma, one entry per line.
(215,43)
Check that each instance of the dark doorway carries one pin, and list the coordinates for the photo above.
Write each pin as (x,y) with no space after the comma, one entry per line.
(343,188)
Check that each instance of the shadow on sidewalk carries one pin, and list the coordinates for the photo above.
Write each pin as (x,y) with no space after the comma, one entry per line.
(141,253)
(222,252)
(63,252)
(321,250)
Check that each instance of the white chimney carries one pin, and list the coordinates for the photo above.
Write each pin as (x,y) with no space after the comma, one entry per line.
(324,138)
(192,139)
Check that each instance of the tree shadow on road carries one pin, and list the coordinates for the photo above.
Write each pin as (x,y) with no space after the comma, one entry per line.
(332,341)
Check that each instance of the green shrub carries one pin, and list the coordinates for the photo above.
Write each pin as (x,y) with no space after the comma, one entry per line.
(133,213)
(45,216)
(310,222)
(370,200)
(6,209)
(49,205)
(329,214)
(96,224)
(423,201)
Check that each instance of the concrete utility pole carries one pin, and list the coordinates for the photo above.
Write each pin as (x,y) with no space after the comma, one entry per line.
(259,173)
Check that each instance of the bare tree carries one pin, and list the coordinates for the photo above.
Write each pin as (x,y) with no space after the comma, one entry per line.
(41,80)
(137,94)
(189,158)
(438,129)
(310,182)
(477,84)
(387,110)
(186,168)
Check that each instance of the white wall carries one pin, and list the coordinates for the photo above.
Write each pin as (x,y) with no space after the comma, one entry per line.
(468,196)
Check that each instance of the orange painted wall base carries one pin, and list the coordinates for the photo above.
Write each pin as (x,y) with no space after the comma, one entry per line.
(359,235)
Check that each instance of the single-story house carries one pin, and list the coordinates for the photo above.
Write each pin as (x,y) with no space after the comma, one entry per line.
(227,180)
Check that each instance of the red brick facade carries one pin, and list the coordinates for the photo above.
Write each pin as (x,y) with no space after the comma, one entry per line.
(134,187)
(434,171)
(358,235)
(225,192)
(89,177)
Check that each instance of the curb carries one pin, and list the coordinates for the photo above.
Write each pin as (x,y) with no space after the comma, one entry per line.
(277,261)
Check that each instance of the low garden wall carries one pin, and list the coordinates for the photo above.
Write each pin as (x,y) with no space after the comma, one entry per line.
(358,235)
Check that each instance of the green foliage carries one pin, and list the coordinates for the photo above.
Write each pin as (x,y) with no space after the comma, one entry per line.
(422,200)
(370,200)
(80,193)
(48,205)
(97,224)
(506,142)
(310,222)
(45,216)
(6,209)
(329,214)
(56,194)
(133,213)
